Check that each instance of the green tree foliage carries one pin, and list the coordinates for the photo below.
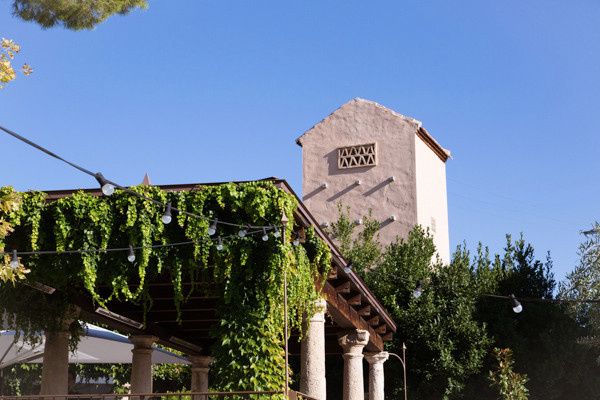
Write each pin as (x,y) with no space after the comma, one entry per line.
(362,249)
(543,338)
(446,344)
(584,283)
(73,14)
(449,329)
(510,384)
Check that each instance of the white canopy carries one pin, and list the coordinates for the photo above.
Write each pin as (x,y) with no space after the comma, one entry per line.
(97,346)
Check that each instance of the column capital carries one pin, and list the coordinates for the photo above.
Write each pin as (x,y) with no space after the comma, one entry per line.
(201,361)
(143,341)
(321,308)
(354,342)
(377,358)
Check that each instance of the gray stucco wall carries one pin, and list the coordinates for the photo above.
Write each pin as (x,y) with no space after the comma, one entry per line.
(360,122)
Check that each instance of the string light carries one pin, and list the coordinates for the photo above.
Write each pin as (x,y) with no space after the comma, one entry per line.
(117,249)
(418,290)
(131,254)
(276,232)
(242,232)
(296,241)
(14,263)
(166,218)
(516,305)
(107,188)
(265,237)
(212,229)
(220,244)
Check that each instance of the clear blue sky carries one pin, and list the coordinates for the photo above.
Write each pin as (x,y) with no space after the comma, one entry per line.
(193,91)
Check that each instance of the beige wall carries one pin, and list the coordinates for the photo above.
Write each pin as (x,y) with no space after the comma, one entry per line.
(361,122)
(432,205)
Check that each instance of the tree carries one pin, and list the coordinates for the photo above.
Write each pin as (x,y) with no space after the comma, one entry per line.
(510,385)
(362,249)
(447,345)
(543,338)
(75,15)
(584,283)
(8,51)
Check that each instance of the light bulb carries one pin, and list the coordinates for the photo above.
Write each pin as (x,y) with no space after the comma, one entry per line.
(14,263)
(518,308)
(265,237)
(418,290)
(296,241)
(276,232)
(131,255)
(220,244)
(166,218)
(212,229)
(516,305)
(242,232)
(107,188)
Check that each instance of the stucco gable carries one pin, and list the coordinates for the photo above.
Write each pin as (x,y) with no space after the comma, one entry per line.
(360,105)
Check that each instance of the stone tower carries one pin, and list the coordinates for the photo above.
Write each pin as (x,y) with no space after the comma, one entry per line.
(369,157)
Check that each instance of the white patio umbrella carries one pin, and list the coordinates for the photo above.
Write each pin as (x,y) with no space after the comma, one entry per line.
(97,346)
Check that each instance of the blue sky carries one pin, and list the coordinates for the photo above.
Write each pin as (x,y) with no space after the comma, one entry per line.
(193,91)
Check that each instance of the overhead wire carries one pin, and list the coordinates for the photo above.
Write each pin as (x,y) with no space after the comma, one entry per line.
(98,176)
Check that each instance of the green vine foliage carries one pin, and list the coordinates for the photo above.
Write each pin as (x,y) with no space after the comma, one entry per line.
(248,272)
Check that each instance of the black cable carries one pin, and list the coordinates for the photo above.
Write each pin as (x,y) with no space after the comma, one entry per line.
(532,299)
(123,188)
(118,249)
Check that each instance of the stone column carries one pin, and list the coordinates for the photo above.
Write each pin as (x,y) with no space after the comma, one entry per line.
(312,355)
(141,363)
(55,371)
(200,368)
(376,375)
(353,344)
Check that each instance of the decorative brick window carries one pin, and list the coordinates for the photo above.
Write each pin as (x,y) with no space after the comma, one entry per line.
(362,155)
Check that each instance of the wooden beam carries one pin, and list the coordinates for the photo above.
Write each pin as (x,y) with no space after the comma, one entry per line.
(343,288)
(333,272)
(347,317)
(381,329)
(388,336)
(365,311)
(355,300)
(374,321)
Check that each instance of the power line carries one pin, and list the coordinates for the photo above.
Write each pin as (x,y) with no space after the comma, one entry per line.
(104,183)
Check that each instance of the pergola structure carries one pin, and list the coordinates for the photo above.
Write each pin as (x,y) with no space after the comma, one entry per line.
(352,322)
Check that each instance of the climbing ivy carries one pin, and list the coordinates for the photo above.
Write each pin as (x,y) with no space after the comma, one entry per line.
(248,272)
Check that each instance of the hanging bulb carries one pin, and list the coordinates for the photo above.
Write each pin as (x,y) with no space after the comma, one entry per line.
(14,263)
(276,232)
(166,218)
(265,237)
(212,229)
(131,255)
(296,241)
(242,232)
(418,290)
(516,305)
(107,188)
(220,244)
